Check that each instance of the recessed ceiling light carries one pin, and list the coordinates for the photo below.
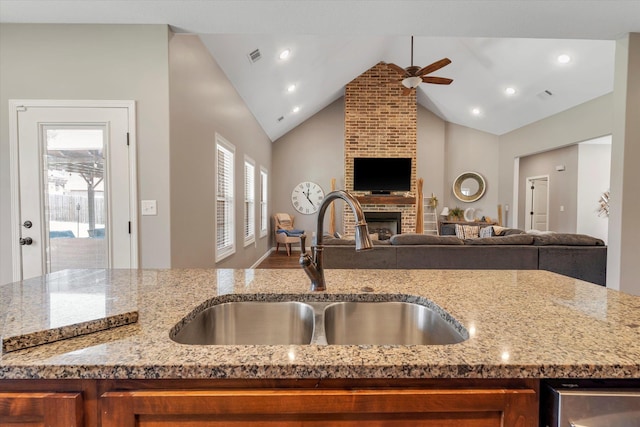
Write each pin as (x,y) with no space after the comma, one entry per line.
(284,54)
(475,111)
(295,109)
(291,88)
(510,91)
(564,58)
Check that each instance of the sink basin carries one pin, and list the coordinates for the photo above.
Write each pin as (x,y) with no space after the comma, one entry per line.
(386,323)
(250,323)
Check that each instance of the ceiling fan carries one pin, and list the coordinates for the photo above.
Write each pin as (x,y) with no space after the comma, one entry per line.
(413,75)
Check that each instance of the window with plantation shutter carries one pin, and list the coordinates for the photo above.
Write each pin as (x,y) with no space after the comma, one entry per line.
(249,201)
(264,218)
(225,227)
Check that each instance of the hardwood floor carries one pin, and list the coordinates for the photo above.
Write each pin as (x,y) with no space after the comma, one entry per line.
(281,260)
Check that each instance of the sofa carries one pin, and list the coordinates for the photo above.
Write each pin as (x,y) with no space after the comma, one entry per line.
(576,255)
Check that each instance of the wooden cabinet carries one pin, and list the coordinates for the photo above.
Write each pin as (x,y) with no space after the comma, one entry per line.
(303,407)
(51,409)
(274,403)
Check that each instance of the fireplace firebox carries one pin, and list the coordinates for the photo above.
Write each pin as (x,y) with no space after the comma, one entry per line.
(386,224)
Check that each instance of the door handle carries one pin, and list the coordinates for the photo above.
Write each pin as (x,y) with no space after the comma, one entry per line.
(26,241)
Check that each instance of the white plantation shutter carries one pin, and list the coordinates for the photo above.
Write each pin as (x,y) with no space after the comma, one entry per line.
(225,227)
(249,201)
(264,219)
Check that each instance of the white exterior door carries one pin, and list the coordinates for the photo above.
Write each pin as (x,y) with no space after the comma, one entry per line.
(74,195)
(538,204)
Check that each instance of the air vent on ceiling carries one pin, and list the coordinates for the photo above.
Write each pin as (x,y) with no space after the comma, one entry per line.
(545,94)
(254,56)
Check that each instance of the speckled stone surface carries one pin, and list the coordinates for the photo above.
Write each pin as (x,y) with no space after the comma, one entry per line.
(521,324)
(64,305)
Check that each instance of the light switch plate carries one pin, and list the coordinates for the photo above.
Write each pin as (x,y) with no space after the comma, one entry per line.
(149,207)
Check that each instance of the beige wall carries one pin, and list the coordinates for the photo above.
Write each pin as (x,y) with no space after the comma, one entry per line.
(204,102)
(583,122)
(95,62)
(472,150)
(430,154)
(313,151)
(444,150)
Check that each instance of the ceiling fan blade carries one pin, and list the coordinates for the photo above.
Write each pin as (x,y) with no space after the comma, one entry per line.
(437,80)
(406,90)
(397,69)
(433,67)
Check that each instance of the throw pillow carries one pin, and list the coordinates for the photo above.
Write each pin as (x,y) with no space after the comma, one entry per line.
(467,231)
(498,230)
(448,230)
(486,232)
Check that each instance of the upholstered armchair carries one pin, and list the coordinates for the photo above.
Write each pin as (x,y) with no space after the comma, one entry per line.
(285,233)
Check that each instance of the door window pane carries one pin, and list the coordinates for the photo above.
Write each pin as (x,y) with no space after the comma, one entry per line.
(75,208)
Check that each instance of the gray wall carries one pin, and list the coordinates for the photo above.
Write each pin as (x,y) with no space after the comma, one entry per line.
(196,116)
(95,62)
(563,186)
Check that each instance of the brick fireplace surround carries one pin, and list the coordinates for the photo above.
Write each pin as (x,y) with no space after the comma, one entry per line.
(379,122)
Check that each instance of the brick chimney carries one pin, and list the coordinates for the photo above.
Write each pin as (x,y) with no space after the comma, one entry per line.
(379,122)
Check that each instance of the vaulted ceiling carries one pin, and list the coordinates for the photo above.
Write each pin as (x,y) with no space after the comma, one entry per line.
(492,44)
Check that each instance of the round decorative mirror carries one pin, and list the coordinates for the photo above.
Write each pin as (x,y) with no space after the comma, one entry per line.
(469,186)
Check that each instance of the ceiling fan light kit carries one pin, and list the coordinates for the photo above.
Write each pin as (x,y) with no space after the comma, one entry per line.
(412,76)
(411,82)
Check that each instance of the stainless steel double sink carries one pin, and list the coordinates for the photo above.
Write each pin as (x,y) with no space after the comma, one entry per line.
(300,323)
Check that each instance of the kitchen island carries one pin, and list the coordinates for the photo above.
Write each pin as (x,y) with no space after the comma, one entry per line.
(522,326)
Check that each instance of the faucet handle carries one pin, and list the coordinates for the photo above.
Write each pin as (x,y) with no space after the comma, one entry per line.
(303,247)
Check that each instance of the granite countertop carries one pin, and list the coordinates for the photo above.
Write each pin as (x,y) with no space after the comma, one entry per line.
(521,324)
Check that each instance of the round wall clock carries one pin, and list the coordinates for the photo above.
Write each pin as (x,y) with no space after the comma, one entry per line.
(306,197)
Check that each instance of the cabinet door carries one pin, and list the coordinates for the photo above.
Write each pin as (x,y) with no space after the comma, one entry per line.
(41,409)
(181,408)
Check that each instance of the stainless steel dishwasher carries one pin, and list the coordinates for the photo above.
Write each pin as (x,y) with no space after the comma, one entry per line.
(573,405)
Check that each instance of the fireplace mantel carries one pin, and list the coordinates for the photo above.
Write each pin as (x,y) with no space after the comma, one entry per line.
(386,200)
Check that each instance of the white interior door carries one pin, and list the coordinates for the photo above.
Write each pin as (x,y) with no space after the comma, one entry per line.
(537,204)
(76,188)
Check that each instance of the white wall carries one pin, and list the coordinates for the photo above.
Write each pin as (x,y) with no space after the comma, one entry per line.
(127,62)
(594,169)
(623,268)
(204,102)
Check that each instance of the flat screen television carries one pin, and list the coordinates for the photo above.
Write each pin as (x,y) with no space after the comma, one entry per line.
(382,175)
